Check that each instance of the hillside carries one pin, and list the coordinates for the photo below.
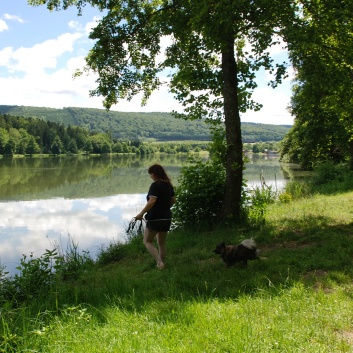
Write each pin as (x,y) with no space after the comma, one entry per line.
(137,125)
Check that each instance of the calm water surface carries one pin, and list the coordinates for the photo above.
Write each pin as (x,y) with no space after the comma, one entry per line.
(45,201)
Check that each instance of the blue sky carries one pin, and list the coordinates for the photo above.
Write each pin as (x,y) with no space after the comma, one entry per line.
(40,50)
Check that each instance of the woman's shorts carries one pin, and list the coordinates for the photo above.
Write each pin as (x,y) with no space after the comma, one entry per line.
(159,225)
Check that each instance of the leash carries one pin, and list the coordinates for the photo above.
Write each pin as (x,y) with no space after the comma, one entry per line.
(132,225)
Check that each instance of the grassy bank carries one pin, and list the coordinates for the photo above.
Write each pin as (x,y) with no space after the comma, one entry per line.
(297,298)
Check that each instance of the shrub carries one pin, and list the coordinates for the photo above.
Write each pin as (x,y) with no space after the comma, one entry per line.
(327,172)
(36,277)
(327,178)
(297,189)
(257,201)
(200,192)
(113,252)
(201,186)
(117,250)
(70,263)
(285,197)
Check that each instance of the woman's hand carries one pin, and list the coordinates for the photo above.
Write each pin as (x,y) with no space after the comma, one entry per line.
(139,217)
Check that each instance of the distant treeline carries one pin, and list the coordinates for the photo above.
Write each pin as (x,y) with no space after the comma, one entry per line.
(28,136)
(141,126)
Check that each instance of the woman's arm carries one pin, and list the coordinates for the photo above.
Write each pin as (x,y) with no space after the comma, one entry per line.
(150,203)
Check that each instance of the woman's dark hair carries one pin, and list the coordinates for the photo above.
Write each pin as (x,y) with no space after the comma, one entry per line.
(159,172)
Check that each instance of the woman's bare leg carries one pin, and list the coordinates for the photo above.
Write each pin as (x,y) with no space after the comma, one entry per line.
(148,238)
(161,241)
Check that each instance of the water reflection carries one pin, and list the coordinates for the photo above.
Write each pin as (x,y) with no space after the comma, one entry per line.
(33,226)
(83,176)
(90,199)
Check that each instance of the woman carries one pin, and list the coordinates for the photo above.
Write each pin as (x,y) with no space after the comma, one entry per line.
(160,199)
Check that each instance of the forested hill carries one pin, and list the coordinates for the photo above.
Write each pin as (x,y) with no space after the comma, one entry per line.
(131,126)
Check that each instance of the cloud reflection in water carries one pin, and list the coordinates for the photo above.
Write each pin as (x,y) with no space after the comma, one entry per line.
(33,226)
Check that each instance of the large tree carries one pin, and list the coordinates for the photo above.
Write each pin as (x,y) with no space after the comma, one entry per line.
(320,43)
(215,48)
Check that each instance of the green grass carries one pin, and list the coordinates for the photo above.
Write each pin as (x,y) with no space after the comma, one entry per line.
(297,298)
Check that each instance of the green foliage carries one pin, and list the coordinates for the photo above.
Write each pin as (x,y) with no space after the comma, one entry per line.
(321,102)
(70,262)
(116,250)
(218,147)
(330,178)
(101,143)
(201,190)
(72,146)
(297,189)
(262,147)
(30,136)
(316,135)
(327,178)
(285,197)
(262,195)
(38,276)
(328,172)
(200,193)
(201,186)
(111,253)
(145,126)
(262,133)
(35,275)
(53,138)
(258,200)
(255,148)
(57,146)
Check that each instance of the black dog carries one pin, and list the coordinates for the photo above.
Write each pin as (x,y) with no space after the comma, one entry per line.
(243,252)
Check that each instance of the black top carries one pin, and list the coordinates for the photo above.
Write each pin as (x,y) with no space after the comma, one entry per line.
(164,193)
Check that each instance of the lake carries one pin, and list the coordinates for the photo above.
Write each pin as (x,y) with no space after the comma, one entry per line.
(90,199)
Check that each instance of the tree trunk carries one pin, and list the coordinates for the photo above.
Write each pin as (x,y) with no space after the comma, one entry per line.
(351,153)
(234,158)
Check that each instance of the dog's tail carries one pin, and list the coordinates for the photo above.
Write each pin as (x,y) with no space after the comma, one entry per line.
(249,243)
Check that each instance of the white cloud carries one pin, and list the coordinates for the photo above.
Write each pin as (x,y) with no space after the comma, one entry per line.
(275,101)
(279,48)
(42,75)
(44,55)
(7,17)
(74,25)
(90,25)
(3,26)
(36,79)
(274,111)
(159,101)
(5,56)
(12,18)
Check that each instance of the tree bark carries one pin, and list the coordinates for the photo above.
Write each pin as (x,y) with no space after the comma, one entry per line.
(234,159)
(351,154)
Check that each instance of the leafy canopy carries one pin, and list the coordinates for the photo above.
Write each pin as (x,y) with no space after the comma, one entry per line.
(130,56)
(319,46)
